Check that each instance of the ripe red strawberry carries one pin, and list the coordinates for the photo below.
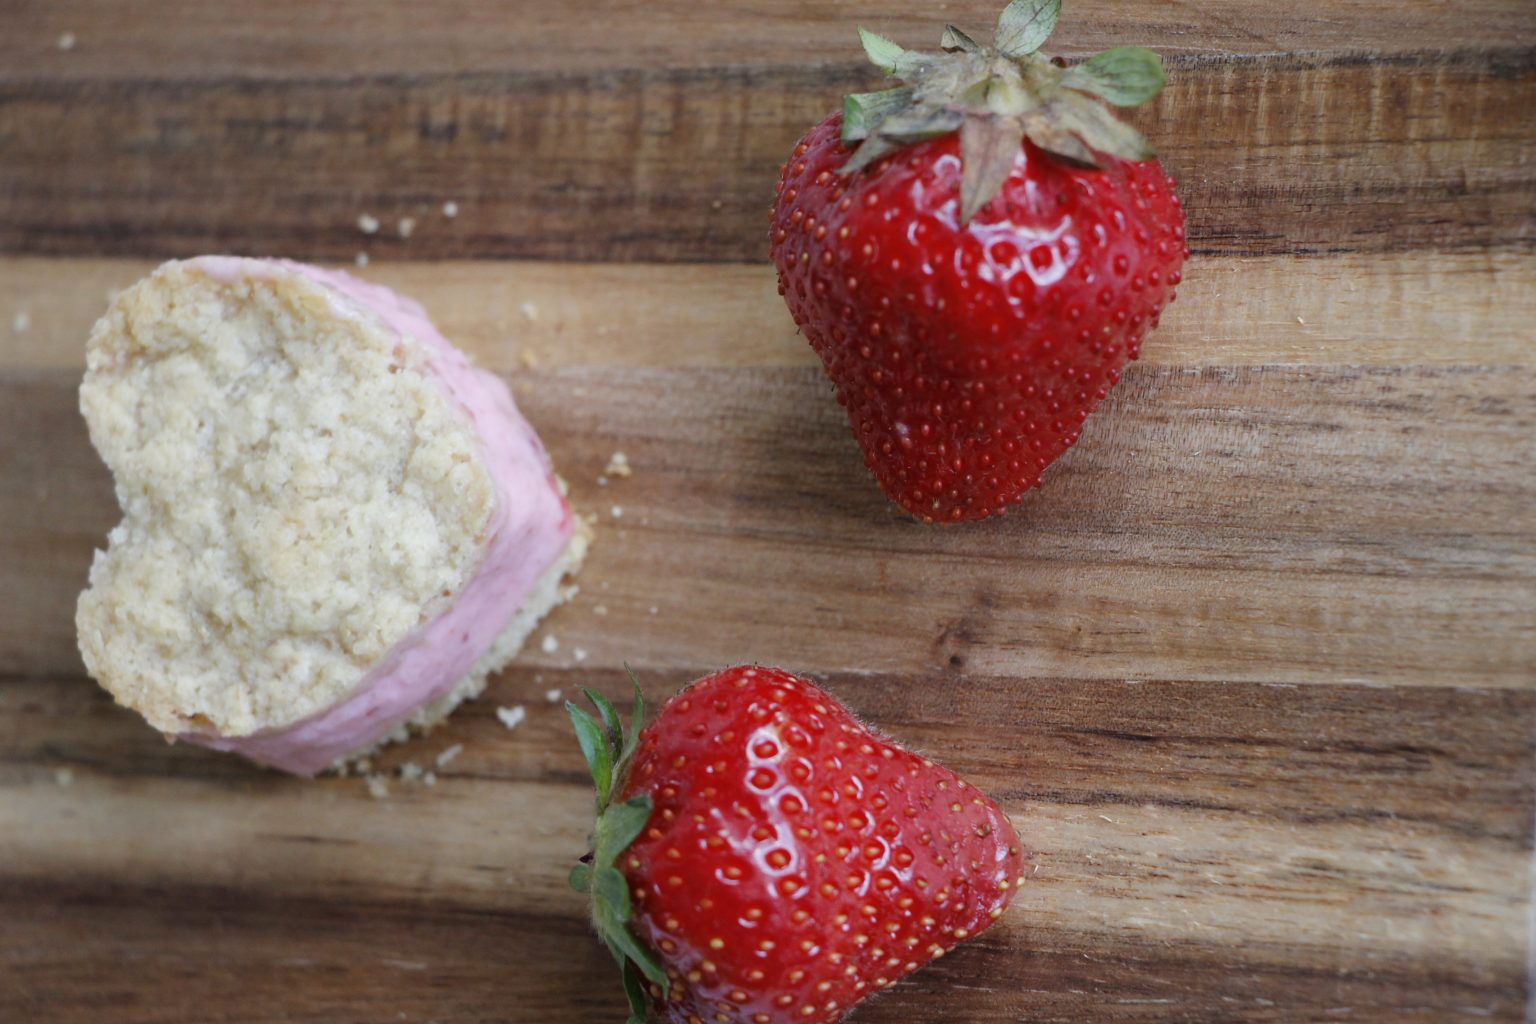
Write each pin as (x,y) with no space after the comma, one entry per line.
(766,858)
(977,273)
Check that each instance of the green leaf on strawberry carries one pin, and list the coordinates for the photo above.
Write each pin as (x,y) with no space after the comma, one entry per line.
(954,39)
(1025,25)
(882,53)
(863,110)
(1127,77)
(609,750)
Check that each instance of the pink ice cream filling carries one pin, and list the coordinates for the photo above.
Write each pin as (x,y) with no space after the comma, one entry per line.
(528,532)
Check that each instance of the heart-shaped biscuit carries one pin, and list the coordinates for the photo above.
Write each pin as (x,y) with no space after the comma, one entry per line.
(331,522)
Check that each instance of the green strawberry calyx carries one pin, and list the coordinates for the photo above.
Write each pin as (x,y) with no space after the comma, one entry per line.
(609,749)
(998,95)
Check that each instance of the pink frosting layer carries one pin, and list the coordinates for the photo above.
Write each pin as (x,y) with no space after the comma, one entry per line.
(528,532)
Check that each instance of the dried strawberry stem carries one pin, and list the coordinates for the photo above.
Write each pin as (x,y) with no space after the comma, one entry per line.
(998,95)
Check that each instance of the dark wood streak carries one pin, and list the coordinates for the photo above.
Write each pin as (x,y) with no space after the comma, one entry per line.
(295,38)
(209,954)
(240,958)
(678,163)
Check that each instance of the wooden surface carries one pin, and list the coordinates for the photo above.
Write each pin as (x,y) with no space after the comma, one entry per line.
(1254,672)
(643,131)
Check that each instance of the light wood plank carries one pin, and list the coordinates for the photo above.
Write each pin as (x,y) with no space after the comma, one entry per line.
(1445,309)
(678,164)
(1377,837)
(1285,524)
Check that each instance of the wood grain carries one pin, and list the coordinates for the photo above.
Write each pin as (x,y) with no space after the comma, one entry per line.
(1252,672)
(346,38)
(1451,309)
(1271,523)
(1357,844)
(243,955)
(678,163)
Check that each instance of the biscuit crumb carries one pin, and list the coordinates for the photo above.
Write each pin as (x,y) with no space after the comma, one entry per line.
(406,226)
(602,481)
(550,645)
(410,771)
(600,609)
(579,653)
(447,756)
(528,359)
(654,609)
(618,511)
(361,259)
(512,717)
(368,224)
(529,310)
(63,777)
(553,696)
(1300,320)
(67,40)
(378,786)
(21,321)
(429,779)
(450,209)
(618,465)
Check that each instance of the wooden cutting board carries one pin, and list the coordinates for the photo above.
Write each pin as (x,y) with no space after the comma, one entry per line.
(1254,671)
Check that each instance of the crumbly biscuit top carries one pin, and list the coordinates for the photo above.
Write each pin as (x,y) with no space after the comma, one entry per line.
(298,494)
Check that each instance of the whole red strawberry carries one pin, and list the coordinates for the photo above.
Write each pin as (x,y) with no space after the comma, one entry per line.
(762,857)
(978,271)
